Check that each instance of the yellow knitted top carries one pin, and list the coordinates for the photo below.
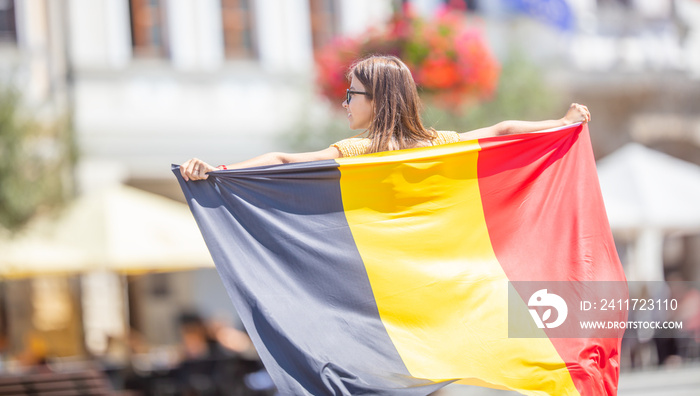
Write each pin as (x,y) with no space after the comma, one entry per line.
(359,146)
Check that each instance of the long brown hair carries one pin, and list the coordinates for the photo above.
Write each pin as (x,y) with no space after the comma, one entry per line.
(396,122)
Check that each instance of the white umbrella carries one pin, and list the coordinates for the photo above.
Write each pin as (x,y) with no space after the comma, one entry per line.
(645,188)
(646,194)
(26,256)
(125,229)
(118,228)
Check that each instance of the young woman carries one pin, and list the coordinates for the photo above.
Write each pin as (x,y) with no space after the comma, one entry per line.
(383,101)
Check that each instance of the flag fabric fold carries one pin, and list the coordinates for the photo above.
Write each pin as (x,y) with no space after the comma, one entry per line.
(387,274)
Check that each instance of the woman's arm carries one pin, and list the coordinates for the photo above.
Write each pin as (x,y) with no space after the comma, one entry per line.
(576,113)
(196,169)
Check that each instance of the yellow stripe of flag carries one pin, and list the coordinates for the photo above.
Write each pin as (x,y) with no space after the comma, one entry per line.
(419,226)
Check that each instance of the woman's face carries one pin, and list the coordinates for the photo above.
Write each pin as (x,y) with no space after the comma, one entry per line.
(360,107)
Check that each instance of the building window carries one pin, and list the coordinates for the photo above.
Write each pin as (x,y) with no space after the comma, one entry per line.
(7,21)
(237,22)
(324,21)
(148,28)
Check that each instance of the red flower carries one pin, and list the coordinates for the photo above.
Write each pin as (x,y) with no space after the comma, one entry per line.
(440,73)
(450,62)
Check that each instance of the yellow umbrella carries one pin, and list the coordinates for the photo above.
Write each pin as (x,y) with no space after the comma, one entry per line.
(117,228)
(26,256)
(125,229)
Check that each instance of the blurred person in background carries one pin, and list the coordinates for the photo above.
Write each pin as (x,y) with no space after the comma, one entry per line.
(232,339)
(383,101)
(688,312)
(218,359)
(197,343)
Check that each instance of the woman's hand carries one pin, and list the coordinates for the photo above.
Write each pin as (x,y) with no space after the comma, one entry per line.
(195,169)
(577,113)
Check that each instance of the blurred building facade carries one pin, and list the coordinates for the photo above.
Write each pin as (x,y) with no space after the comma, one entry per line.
(154,82)
(157,82)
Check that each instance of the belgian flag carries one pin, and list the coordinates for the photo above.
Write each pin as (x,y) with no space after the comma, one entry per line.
(388,274)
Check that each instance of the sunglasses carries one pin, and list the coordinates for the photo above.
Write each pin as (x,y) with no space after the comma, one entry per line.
(349,93)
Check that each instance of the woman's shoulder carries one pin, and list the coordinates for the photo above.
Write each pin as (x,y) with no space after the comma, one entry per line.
(358,146)
(445,137)
(352,146)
